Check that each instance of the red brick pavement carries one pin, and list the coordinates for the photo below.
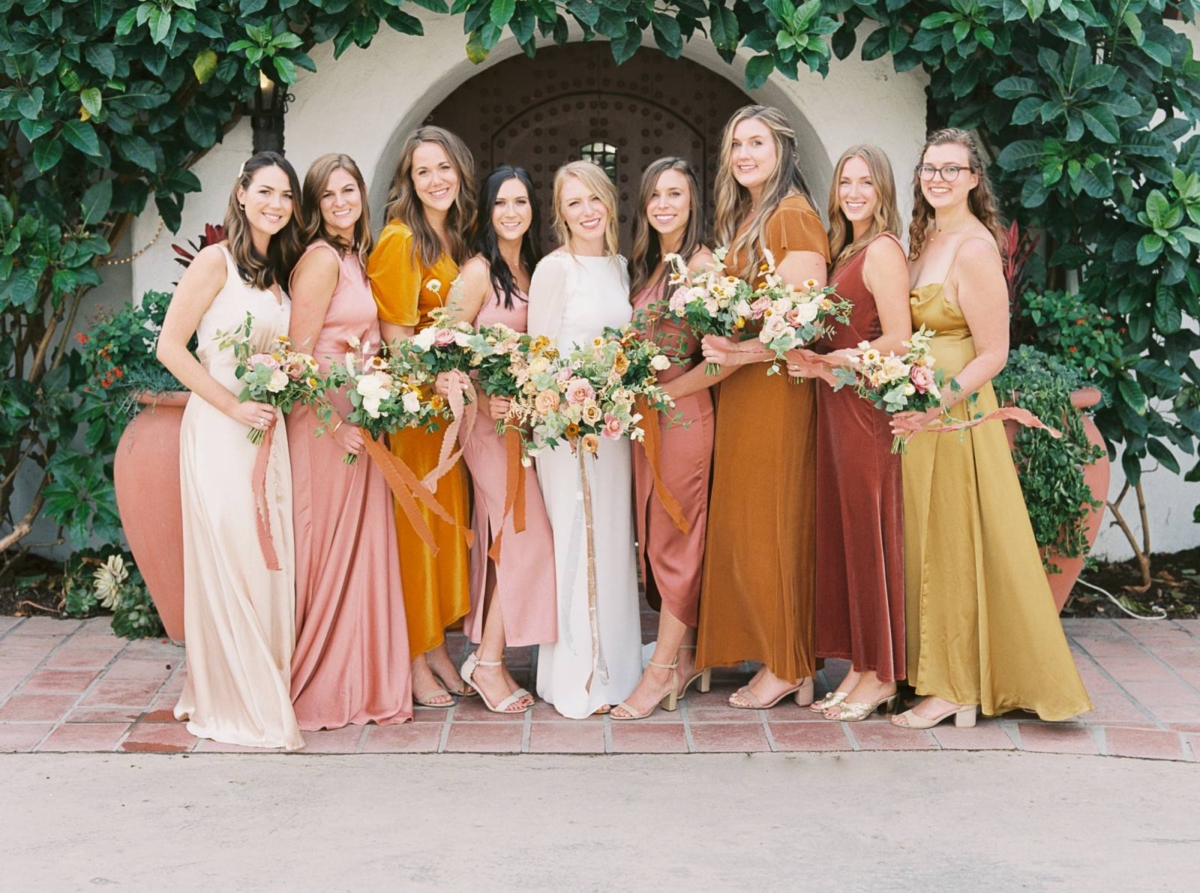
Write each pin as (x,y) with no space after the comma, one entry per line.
(71,686)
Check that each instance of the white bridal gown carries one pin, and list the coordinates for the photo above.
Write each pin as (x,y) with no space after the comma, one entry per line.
(571,300)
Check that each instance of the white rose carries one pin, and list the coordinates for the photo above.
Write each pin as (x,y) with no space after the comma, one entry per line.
(278,382)
(462,339)
(424,339)
(807,312)
(660,363)
(373,386)
(371,405)
(412,402)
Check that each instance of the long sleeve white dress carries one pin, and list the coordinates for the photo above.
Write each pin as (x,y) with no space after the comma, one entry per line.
(571,300)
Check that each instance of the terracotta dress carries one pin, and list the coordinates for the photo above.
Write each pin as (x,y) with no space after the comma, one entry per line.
(982,626)
(860,537)
(525,572)
(671,561)
(238,615)
(757,598)
(436,587)
(351,663)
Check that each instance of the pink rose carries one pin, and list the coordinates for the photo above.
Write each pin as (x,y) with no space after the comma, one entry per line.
(759,307)
(679,300)
(443,337)
(614,428)
(922,378)
(579,390)
(263,359)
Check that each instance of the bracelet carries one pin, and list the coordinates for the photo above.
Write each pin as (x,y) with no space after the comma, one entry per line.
(338,425)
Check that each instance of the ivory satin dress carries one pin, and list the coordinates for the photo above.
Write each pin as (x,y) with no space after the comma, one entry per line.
(351,663)
(238,615)
(571,300)
(525,581)
(436,587)
(982,625)
(757,599)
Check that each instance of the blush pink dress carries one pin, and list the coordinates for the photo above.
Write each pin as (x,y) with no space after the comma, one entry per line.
(351,663)
(525,580)
(671,561)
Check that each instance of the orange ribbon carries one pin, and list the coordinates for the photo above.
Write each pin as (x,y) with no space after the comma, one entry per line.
(262,509)
(463,421)
(514,491)
(653,447)
(407,489)
(1008,413)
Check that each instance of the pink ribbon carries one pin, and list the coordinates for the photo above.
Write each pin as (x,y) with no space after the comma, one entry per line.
(262,509)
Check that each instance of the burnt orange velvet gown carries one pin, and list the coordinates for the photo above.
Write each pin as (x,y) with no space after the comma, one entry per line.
(757,596)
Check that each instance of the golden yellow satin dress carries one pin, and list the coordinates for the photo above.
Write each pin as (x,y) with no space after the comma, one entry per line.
(982,626)
(436,587)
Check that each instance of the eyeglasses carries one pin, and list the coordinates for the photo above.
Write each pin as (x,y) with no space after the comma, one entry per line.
(949,172)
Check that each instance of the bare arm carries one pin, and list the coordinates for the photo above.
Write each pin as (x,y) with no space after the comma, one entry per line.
(313,284)
(983,297)
(201,282)
(469,291)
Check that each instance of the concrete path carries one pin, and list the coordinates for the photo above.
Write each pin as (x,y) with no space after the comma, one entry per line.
(831,822)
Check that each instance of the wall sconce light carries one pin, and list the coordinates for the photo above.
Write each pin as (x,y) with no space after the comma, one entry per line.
(267,114)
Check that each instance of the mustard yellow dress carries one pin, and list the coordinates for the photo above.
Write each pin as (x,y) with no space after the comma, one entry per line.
(436,587)
(982,626)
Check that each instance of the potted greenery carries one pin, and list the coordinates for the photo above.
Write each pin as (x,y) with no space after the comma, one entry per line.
(129,392)
(1064,480)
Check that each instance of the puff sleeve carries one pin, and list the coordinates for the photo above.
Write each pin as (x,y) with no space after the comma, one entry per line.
(548,294)
(795,226)
(395,276)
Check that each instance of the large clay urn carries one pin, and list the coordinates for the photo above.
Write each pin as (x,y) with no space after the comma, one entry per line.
(1096,477)
(146,475)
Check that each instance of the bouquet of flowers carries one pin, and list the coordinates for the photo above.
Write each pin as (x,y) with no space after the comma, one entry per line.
(512,364)
(386,395)
(895,384)
(792,317)
(708,302)
(282,378)
(442,346)
(591,393)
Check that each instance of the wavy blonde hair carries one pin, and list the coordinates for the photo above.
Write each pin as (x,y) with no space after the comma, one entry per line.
(404,205)
(285,246)
(886,219)
(316,181)
(595,179)
(981,200)
(647,246)
(733,201)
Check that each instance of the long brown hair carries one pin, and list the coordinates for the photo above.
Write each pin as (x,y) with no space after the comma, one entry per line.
(647,245)
(886,219)
(595,179)
(285,246)
(981,200)
(733,200)
(316,181)
(404,205)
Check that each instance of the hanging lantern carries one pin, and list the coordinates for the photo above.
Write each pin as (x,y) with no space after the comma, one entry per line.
(267,114)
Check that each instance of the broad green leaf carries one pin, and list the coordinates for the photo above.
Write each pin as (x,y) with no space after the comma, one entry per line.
(502,11)
(204,65)
(1016,87)
(46,153)
(286,70)
(1101,123)
(1163,454)
(96,202)
(82,136)
(92,101)
(758,69)
(1132,395)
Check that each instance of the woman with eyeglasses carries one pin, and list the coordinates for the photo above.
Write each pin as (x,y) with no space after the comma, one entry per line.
(982,630)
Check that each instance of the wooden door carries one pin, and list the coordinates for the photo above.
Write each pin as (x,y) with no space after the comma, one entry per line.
(573,102)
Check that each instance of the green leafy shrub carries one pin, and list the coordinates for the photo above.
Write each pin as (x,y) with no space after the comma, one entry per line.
(97,580)
(1050,470)
(1076,331)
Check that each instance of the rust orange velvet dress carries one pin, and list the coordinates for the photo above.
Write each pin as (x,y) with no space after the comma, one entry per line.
(860,540)
(757,596)
(436,587)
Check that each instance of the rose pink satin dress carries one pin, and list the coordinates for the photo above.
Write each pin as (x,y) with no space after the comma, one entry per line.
(671,561)
(351,663)
(525,580)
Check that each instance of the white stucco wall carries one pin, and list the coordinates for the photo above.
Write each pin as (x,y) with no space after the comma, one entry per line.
(366,102)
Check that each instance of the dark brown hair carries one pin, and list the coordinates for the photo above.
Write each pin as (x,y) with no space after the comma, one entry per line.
(285,246)
(647,245)
(316,181)
(404,205)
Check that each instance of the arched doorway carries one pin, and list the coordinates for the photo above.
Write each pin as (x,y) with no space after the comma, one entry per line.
(574,101)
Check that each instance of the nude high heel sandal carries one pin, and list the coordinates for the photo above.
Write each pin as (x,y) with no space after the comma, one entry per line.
(964,718)
(705,677)
(468,671)
(669,700)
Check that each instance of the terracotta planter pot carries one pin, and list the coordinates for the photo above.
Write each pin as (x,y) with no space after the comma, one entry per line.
(1096,476)
(146,475)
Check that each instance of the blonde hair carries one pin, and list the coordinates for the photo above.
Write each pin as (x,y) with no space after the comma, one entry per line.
(316,181)
(733,201)
(647,245)
(285,246)
(595,179)
(886,219)
(981,200)
(404,205)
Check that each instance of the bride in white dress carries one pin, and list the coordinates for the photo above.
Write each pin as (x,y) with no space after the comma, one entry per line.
(575,293)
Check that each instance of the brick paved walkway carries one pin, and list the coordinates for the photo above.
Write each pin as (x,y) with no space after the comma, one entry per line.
(72,686)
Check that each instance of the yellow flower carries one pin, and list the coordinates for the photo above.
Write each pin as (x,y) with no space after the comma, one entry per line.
(740,322)
(437,401)
(590,442)
(621,364)
(572,431)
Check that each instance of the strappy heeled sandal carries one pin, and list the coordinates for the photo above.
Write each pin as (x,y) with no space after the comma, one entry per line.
(828,702)
(468,671)
(670,697)
(964,718)
(705,677)
(857,711)
(803,694)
